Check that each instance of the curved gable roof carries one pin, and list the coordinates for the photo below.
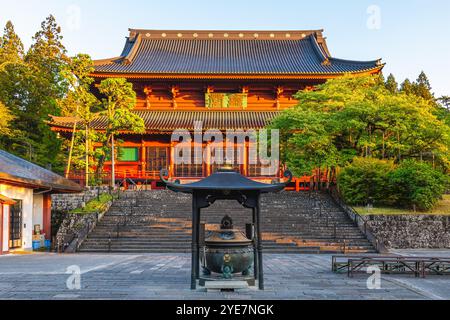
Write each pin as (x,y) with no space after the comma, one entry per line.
(236,53)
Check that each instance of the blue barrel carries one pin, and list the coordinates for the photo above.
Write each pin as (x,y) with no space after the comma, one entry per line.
(47,243)
(36,244)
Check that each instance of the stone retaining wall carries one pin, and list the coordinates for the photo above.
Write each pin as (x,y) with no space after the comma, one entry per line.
(76,200)
(411,231)
(75,228)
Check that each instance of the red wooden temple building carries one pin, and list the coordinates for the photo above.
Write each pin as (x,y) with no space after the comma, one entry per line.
(226,79)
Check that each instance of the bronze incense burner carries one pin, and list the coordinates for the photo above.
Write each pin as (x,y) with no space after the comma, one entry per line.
(227,251)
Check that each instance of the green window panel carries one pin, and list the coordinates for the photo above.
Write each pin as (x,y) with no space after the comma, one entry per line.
(128,154)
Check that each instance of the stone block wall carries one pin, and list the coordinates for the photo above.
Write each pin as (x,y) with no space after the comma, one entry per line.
(411,231)
(76,200)
(74,229)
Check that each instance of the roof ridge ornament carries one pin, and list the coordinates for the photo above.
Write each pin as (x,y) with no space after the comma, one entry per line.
(326,62)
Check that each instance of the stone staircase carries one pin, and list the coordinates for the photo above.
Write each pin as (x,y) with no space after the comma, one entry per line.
(160,221)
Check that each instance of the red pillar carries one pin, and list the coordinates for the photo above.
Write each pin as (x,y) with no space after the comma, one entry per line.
(47,216)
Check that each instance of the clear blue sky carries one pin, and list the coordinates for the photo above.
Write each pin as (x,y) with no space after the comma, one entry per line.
(409,35)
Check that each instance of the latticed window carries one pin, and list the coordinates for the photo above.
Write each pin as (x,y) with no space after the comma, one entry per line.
(190,170)
(156,158)
(255,170)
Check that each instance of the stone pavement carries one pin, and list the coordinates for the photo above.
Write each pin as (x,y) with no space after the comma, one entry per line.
(166,276)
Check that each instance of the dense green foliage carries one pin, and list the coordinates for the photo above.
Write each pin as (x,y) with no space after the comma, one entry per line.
(417,184)
(117,104)
(6,118)
(31,84)
(364,179)
(44,81)
(411,184)
(358,116)
(95,205)
(366,125)
(118,100)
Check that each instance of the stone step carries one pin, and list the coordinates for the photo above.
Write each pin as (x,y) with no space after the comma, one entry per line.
(188,238)
(186,241)
(160,222)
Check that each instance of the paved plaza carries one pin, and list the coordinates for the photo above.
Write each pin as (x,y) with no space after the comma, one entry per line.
(167,276)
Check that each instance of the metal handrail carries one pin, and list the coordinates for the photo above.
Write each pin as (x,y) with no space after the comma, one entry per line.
(359,220)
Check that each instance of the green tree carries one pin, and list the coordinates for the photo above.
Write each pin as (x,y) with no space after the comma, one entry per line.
(422,87)
(31,85)
(416,184)
(352,116)
(79,103)
(11,47)
(117,104)
(365,179)
(47,58)
(14,78)
(391,84)
(407,87)
(6,118)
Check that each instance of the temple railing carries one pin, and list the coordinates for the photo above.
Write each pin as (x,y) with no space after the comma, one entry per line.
(137,179)
(123,178)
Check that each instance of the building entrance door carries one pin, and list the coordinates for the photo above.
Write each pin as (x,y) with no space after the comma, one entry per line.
(15,225)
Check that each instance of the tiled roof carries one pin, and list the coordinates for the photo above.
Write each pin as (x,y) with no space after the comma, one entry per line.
(171,120)
(19,171)
(169,54)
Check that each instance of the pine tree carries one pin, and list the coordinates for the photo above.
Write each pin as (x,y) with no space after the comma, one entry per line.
(407,87)
(422,87)
(6,117)
(13,92)
(391,84)
(31,89)
(48,55)
(11,47)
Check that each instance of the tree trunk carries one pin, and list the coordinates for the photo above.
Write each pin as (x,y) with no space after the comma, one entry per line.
(113,164)
(99,169)
(87,156)
(72,141)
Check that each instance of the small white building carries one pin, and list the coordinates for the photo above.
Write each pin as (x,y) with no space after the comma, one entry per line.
(25,201)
